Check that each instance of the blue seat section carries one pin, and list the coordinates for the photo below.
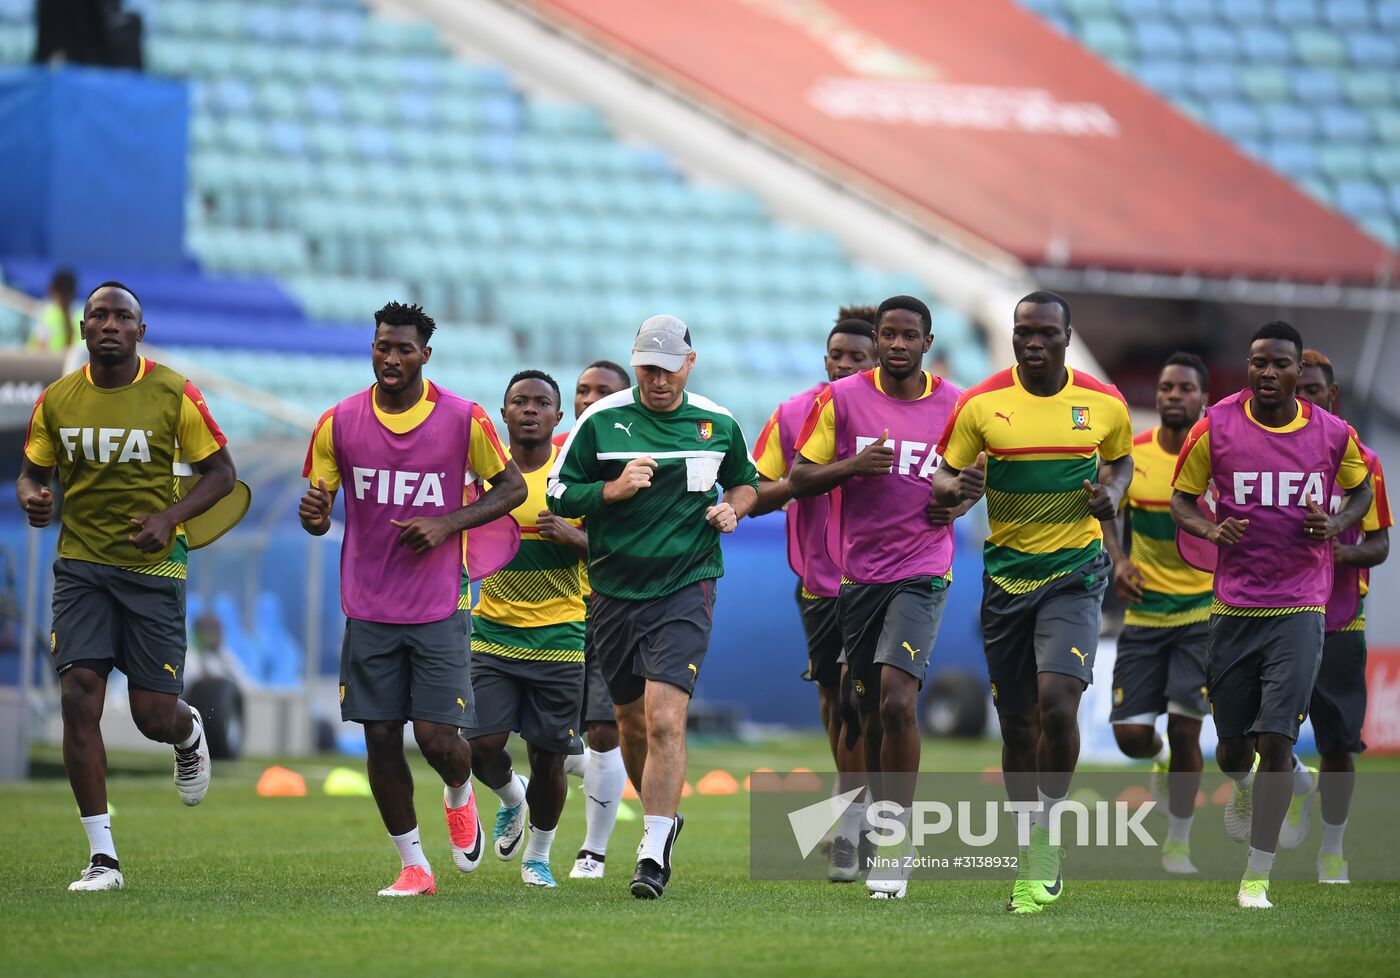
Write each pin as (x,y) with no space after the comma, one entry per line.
(1310,87)
(339,160)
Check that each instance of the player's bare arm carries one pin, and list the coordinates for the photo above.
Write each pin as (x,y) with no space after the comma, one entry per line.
(953,487)
(1370,551)
(808,478)
(557,530)
(1127,579)
(1320,525)
(423,533)
(216,479)
(32,490)
(315,508)
(1188,517)
(1106,495)
(940,515)
(773,494)
(733,506)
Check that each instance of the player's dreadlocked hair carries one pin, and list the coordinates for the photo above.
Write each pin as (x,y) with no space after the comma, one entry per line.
(866,313)
(1279,330)
(1318,359)
(537,375)
(401,314)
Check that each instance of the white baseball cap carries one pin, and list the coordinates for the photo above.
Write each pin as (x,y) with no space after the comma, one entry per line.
(663,341)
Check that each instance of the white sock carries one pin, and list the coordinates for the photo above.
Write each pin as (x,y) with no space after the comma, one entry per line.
(512,793)
(99,833)
(410,849)
(604,780)
(1331,838)
(195,731)
(1164,755)
(576,765)
(1260,861)
(459,794)
(656,830)
(852,821)
(1179,829)
(1302,777)
(1041,819)
(537,848)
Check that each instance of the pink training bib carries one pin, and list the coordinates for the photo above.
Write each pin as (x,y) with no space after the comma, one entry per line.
(878,531)
(387,476)
(1267,477)
(806,518)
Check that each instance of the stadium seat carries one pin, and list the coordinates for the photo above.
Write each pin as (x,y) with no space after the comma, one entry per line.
(1316,46)
(1268,45)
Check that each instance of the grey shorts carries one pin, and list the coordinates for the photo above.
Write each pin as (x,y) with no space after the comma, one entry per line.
(1054,628)
(891,624)
(1260,671)
(597,701)
(1338,705)
(407,672)
(661,639)
(536,699)
(112,617)
(821,624)
(1160,670)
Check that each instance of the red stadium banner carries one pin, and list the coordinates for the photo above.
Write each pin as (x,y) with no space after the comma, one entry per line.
(985,116)
(1382,730)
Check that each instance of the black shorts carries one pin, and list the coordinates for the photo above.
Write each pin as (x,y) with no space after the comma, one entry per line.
(1260,671)
(407,672)
(537,699)
(821,624)
(597,701)
(1160,670)
(1338,705)
(891,624)
(662,639)
(134,621)
(1054,628)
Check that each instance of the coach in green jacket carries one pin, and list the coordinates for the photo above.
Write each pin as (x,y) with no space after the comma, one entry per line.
(642,465)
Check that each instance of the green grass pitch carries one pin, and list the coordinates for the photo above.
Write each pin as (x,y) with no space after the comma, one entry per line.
(247,886)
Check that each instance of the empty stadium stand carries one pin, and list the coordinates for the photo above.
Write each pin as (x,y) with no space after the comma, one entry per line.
(351,159)
(1309,87)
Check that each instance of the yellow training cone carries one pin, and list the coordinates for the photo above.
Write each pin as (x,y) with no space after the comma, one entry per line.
(717,783)
(625,813)
(278,782)
(344,782)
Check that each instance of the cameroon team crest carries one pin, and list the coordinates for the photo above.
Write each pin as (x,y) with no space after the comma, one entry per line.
(1079,416)
(704,430)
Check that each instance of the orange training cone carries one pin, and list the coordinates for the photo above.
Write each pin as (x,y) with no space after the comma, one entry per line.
(767,780)
(717,783)
(686,789)
(278,782)
(629,792)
